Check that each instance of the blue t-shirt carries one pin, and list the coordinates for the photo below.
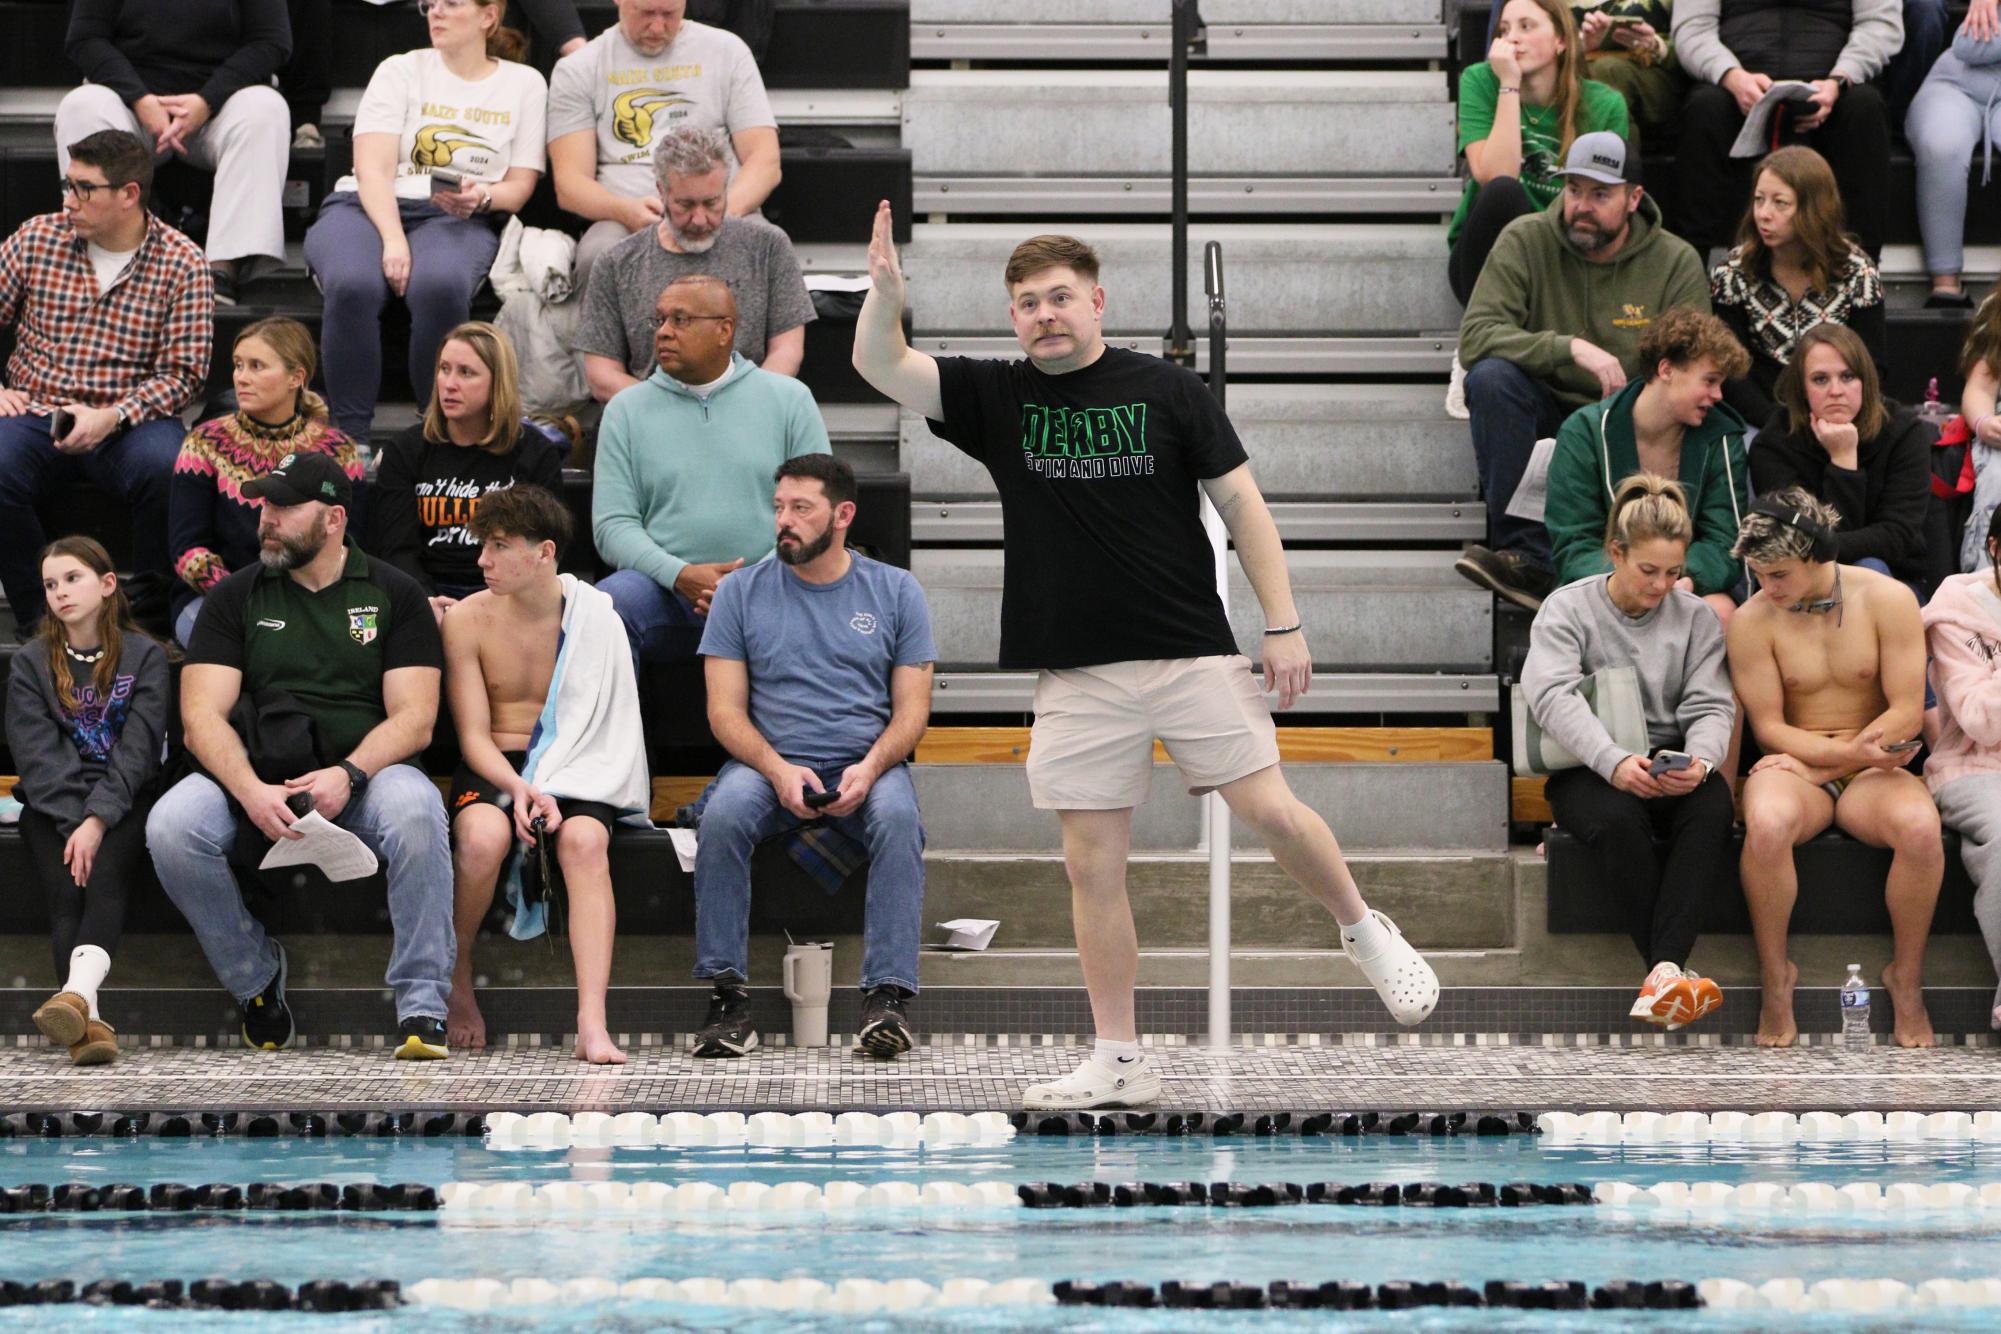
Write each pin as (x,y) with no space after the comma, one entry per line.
(820,655)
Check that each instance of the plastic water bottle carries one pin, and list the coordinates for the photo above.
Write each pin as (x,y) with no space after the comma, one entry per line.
(1855,1009)
(1933,409)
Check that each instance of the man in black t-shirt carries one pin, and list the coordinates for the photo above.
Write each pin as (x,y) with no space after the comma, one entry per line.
(1102,457)
(354,642)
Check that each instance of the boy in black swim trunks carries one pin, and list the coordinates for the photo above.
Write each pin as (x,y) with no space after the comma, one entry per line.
(501,650)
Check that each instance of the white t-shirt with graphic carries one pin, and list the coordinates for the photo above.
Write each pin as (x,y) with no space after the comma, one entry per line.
(477,129)
(707,78)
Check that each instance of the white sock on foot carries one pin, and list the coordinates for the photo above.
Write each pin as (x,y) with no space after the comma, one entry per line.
(1115,1055)
(88,967)
(1367,935)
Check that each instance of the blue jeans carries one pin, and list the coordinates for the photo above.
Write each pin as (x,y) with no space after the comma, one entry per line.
(400,818)
(1510,411)
(660,624)
(449,258)
(136,466)
(743,811)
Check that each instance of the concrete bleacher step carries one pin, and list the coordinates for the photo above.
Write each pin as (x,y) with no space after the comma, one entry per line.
(1437,807)
(1151,41)
(1214,12)
(935,522)
(1369,610)
(1282,278)
(1355,442)
(1116,120)
(1462,901)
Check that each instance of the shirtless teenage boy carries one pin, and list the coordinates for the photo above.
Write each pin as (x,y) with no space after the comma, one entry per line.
(1829,661)
(500,654)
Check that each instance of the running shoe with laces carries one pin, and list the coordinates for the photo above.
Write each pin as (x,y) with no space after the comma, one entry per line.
(885,1031)
(1093,1084)
(728,1031)
(267,1019)
(423,1039)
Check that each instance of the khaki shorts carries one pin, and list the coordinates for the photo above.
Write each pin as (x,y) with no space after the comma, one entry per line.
(1092,747)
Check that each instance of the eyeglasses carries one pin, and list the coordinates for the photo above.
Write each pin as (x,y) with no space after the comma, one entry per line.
(84,189)
(428,7)
(680,320)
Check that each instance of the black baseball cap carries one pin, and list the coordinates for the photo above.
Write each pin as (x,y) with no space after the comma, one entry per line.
(299,478)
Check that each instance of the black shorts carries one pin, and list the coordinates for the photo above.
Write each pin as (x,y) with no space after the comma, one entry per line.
(469,789)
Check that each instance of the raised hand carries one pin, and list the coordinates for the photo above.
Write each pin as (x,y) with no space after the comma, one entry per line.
(885,271)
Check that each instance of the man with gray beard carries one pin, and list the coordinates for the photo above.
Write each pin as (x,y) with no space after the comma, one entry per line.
(319,628)
(695,236)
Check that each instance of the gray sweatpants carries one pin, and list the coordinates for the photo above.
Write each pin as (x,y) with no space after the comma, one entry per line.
(1971,806)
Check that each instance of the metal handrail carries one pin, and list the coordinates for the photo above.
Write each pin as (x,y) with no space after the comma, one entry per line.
(1188,36)
(1219,318)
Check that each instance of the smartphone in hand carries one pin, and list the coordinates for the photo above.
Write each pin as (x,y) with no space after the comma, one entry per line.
(1905,747)
(1668,762)
(817,800)
(445,182)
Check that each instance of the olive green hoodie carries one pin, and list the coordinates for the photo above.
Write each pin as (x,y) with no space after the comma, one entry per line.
(1537,293)
(1596,450)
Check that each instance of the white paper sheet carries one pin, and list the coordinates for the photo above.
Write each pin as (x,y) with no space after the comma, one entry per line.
(968,933)
(1532,492)
(338,854)
(684,847)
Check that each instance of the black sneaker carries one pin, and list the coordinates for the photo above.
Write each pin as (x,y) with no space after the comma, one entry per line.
(423,1039)
(728,1031)
(1507,574)
(885,1031)
(267,1019)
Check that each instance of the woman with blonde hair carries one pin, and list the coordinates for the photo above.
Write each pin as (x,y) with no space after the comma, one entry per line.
(1618,801)
(471,442)
(87,704)
(211,524)
(448,140)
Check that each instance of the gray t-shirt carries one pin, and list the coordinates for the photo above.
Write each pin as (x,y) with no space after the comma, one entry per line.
(820,655)
(750,254)
(707,79)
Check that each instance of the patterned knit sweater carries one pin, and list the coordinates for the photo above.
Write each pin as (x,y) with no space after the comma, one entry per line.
(211,525)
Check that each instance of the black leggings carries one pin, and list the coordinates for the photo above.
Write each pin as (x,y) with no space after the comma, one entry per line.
(1499,202)
(1663,895)
(94,915)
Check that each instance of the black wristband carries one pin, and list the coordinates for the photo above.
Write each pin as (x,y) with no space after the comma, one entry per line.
(1285,630)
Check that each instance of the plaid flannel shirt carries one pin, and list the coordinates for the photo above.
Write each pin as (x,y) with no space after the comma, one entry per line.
(142,347)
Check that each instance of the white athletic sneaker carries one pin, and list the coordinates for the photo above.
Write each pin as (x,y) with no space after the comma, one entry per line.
(1398,972)
(1455,393)
(1093,1085)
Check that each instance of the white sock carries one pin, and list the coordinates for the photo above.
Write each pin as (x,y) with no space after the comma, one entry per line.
(1114,1055)
(1367,936)
(88,966)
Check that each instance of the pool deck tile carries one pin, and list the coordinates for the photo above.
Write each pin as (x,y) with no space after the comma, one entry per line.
(958,1076)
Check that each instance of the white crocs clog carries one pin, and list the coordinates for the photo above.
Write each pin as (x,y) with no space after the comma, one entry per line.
(1398,972)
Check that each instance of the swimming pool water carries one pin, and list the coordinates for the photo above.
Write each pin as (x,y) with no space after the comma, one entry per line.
(1153,1245)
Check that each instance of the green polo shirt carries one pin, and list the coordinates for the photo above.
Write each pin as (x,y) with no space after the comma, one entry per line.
(327,649)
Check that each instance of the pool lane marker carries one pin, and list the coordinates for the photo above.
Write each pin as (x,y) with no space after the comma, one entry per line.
(173,1197)
(209,1293)
(787,1130)
(1555,1295)
(1855,1296)
(850,1296)
(1602,1128)
(1806,1197)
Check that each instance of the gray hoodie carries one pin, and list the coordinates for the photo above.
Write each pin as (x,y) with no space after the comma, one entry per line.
(1677,649)
(1875,33)
(98,764)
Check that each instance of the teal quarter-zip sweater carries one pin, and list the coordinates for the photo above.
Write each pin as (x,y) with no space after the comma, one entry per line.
(682,477)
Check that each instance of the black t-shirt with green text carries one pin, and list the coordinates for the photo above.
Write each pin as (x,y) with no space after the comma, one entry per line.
(1106,559)
(328,649)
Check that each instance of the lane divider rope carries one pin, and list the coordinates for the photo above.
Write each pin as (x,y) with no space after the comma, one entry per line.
(1558,1295)
(1561,1128)
(213,1293)
(804,1130)
(172,1196)
(851,1296)
(516,1199)
(1817,1197)
(1846,1294)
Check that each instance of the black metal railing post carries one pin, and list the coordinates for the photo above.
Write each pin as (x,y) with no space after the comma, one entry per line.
(1186,37)
(1219,318)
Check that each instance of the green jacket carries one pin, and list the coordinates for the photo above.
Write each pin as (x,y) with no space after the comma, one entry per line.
(1537,293)
(1596,450)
